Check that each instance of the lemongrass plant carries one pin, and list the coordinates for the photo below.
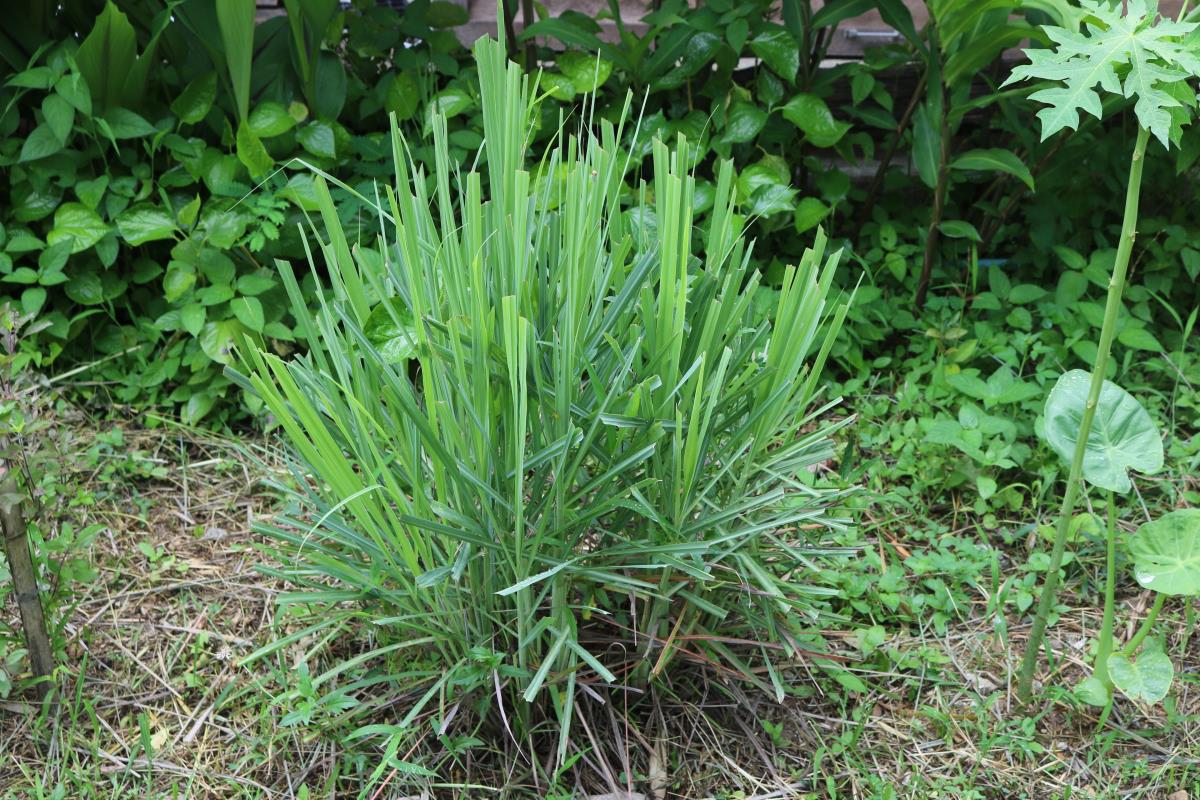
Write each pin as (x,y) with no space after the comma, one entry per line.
(542,448)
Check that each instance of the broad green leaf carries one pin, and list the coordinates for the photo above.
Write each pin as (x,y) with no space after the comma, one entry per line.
(193,103)
(270,119)
(1166,553)
(216,266)
(770,170)
(1146,680)
(145,223)
(778,50)
(860,86)
(390,329)
(107,55)
(178,281)
(1091,690)
(445,14)
(32,299)
(85,289)
(54,257)
(959,229)
(994,159)
(809,213)
(927,145)
(810,114)
(188,214)
(197,406)
(249,312)
(557,86)
(1072,286)
(236,21)
(31,202)
(32,78)
(329,86)
(403,96)
(1139,338)
(744,122)
(1026,293)
(218,339)
(1123,436)
(79,223)
(90,193)
(252,154)
(192,317)
(74,89)
(566,31)
(1127,55)
(256,283)
(126,124)
(22,275)
(317,138)
(697,54)
(771,199)
(59,115)
(39,144)
(299,190)
(586,71)
(222,228)
(449,102)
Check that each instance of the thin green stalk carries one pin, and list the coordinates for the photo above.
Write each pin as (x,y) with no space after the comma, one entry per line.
(1116,287)
(1147,624)
(1105,648)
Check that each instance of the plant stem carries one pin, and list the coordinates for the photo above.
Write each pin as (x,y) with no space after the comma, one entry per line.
(935,220)
(24,578)
(1105,647)
(893,145)
(1116,287)
(1147,624)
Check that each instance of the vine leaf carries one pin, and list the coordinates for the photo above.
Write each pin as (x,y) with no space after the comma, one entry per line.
(1135,55)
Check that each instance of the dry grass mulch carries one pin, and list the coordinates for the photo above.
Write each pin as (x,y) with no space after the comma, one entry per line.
(154,702)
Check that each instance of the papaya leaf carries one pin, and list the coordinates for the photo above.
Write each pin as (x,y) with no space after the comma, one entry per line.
(1135,55)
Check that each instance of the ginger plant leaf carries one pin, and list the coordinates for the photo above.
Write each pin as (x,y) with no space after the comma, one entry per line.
(1137,55)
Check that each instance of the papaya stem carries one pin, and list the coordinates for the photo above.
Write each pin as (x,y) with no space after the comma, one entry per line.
(1112,307)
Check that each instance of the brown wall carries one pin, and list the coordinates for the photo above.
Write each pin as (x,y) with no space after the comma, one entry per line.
(851,37)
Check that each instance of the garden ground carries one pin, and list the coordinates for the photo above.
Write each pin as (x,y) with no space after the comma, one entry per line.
(156,703)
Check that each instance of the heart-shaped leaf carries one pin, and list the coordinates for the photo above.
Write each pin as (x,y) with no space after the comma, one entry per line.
(1166,553)
(1091,690)
(1147,680)
(1123,436)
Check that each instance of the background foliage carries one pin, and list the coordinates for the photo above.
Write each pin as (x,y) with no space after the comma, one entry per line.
(157,163)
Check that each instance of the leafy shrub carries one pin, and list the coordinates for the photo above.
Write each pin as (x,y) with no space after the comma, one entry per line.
(132,231)
(540,441)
